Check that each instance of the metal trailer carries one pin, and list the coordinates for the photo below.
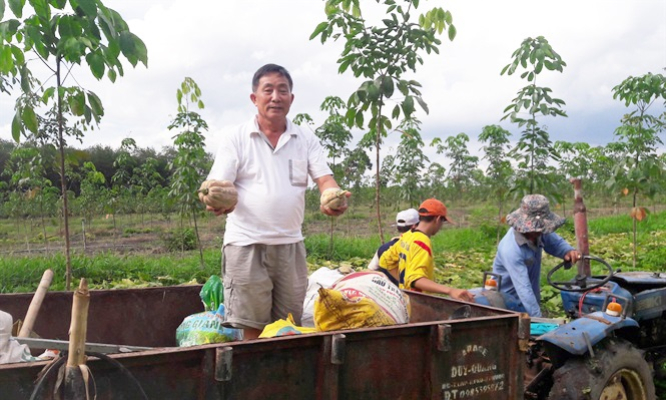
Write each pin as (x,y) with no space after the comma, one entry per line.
(435,356)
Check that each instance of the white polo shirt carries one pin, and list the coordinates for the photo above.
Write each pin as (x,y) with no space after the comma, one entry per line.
(271,182)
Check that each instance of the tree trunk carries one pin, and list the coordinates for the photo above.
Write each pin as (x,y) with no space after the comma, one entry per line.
(196,232)
(377,176)
(63,180)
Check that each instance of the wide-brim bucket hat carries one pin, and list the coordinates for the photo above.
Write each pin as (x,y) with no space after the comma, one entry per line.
(534,215)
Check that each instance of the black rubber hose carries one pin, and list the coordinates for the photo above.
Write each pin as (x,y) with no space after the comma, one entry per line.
(122,369)
(54,367)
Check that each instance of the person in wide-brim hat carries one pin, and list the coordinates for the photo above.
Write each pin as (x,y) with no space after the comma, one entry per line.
(518,258)
(534,215)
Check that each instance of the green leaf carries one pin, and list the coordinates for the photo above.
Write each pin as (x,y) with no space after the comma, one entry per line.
(111,74)
(17,7)
(77,104)
(140,50)
(16,127)
(320,28)
(42,9)
(387,86)
(89,7)
(452,32)
(408,106)
(29,118)
(423,104)
(96,63)
(373,91)
(65,26)
(59,4)
(48,94)
(25,79)
(95,104)
(359,120)
(2,9)
(128,47)
(396,112)
(6,59)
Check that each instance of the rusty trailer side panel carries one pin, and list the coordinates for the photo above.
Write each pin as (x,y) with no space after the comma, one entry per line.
(430,358)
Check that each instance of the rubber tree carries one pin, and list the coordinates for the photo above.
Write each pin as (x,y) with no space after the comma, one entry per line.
(462,162)
(534,149)
(145,179)
(382,54)
(122,198)
(575,162)
(410,163)
(190,162)
(27,174)
(61,41)
(499,173)
(92,185)
(640,171)
(334,135)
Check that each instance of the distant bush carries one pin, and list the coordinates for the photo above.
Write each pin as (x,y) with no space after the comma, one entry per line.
(179,240)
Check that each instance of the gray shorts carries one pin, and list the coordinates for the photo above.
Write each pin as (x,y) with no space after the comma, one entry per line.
(263,283)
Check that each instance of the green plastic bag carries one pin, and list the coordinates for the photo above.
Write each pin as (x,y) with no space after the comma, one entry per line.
(212,293)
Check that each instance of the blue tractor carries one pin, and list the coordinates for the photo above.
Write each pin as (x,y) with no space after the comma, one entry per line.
(615,343)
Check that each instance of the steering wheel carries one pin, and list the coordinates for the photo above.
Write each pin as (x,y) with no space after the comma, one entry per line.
(579,283)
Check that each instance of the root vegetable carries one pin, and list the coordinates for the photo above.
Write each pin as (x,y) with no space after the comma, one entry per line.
(219,195)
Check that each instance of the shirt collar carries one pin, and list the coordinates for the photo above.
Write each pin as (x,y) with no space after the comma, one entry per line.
(521,240)
(256,131)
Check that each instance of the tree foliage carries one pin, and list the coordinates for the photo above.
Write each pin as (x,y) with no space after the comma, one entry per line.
(382,54)
(640,169)
(60,41)
(534,149)
(190,162)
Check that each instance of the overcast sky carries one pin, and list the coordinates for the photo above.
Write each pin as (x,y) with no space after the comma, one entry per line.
(221,43)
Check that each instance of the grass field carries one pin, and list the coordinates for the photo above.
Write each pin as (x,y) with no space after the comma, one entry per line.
(136,256)
(133,253)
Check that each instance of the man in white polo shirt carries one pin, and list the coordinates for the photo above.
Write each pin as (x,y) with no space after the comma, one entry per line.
(268,159)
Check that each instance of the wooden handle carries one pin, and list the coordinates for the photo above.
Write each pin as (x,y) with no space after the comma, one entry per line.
(36,304)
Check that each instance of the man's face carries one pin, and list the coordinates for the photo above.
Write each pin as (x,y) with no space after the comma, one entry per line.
(532,236)
(272,97)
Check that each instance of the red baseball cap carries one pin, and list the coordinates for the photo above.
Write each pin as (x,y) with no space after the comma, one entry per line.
(433,208)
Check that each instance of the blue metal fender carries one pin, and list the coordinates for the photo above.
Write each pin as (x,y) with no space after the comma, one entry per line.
(570,337)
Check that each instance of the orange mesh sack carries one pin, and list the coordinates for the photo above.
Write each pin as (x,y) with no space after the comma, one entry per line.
(361,300)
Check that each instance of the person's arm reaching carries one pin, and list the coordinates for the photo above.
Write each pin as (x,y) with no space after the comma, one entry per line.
(427,285)
(521,282)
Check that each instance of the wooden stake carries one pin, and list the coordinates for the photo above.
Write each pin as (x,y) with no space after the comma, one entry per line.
(79,326)
(76,387)
(35,304)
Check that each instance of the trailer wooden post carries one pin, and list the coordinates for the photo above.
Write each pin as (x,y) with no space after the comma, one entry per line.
(580,226)
(75,382)
(35,304)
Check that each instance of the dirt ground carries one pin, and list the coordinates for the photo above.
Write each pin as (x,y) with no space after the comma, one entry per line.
(146,237)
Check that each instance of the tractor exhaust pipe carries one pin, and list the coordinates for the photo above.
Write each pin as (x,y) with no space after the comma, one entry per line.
(580,226)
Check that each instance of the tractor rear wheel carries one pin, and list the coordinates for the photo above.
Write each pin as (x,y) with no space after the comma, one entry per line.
(618,372)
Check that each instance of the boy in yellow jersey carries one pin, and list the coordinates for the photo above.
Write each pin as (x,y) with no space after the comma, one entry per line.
(413,254)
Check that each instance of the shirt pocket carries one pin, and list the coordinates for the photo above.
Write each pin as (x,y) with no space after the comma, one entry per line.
(298,172)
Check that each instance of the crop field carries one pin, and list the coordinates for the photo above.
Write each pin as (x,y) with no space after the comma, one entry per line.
(149,251)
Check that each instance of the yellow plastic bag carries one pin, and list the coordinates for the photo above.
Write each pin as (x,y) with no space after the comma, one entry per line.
(361,300)
(286,327)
